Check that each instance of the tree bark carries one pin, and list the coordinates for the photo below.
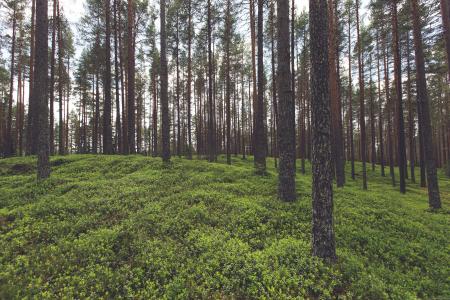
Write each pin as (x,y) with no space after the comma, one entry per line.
(286,122)
(398,90)
(424,116)
(322,191)
(164,88)
(131,81)
(107,127)
(40,88)
(259,130)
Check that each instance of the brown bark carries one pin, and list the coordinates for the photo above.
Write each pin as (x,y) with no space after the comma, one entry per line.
(323,241)
(286,122)
(164,88)
(424,116)
(40,88)
(131,81)
(107,127)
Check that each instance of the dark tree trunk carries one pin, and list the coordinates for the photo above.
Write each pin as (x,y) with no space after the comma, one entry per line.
(412,140)
(286,122)
(40,88)
(52,80)
(259,130)
(274,82)
(380,115)
(164,88)
(424,116)
(107,127)
(177,59)
(398,89)
(373,155)
(350,99)
(388,111)
(336,128)
(61,150)
(116,79)
(227,80)
(445,12)
(211,131)
(322,193)
(31,146)
(131,81)
(9,147)
(362,119)
(189,80)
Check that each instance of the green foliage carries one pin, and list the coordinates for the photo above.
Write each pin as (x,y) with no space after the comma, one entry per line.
(108,227)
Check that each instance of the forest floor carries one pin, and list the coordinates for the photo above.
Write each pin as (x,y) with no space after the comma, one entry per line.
(129,227)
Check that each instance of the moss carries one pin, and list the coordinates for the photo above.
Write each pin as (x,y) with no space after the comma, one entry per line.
(131,227)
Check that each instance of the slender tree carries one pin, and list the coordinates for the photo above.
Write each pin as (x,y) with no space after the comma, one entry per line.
(286,108)
(362,118)
(259,130)
(107,127)
(399,102)
(40,88)
(164,87)
(131,80)
(423,106)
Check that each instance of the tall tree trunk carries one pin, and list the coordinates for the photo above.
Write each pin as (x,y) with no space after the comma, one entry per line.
(336,128)
(274,81)
(107,127)
(445,12)
(373,154)
(227,80)
(31,130)
(362,119)
(424,116)
(388,111)
(189,80)
(116,79)
(177,58)
(164,88)
(350,97)
(9,145)
(259,130)
(380,114)
(60,84)
(412,140)
(322,192)
(40,88)
(52,80)
(131,80)
(211,132)
(286,122)
(398,89)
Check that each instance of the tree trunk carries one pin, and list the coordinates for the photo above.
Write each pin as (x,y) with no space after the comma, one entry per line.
(350,97)
(336,128)
(60,84)
(9,145)
(322,192)
(131,81)
(31,130)
(164,88)
(362,119)
(286,122)
(116,79)
(189,80)
(380,115)
(40,88)
(398,89)
(424,116)
(52,80)
(259,130)
(107,127)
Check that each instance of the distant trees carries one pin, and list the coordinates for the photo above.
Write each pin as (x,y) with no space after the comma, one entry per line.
(205,90)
